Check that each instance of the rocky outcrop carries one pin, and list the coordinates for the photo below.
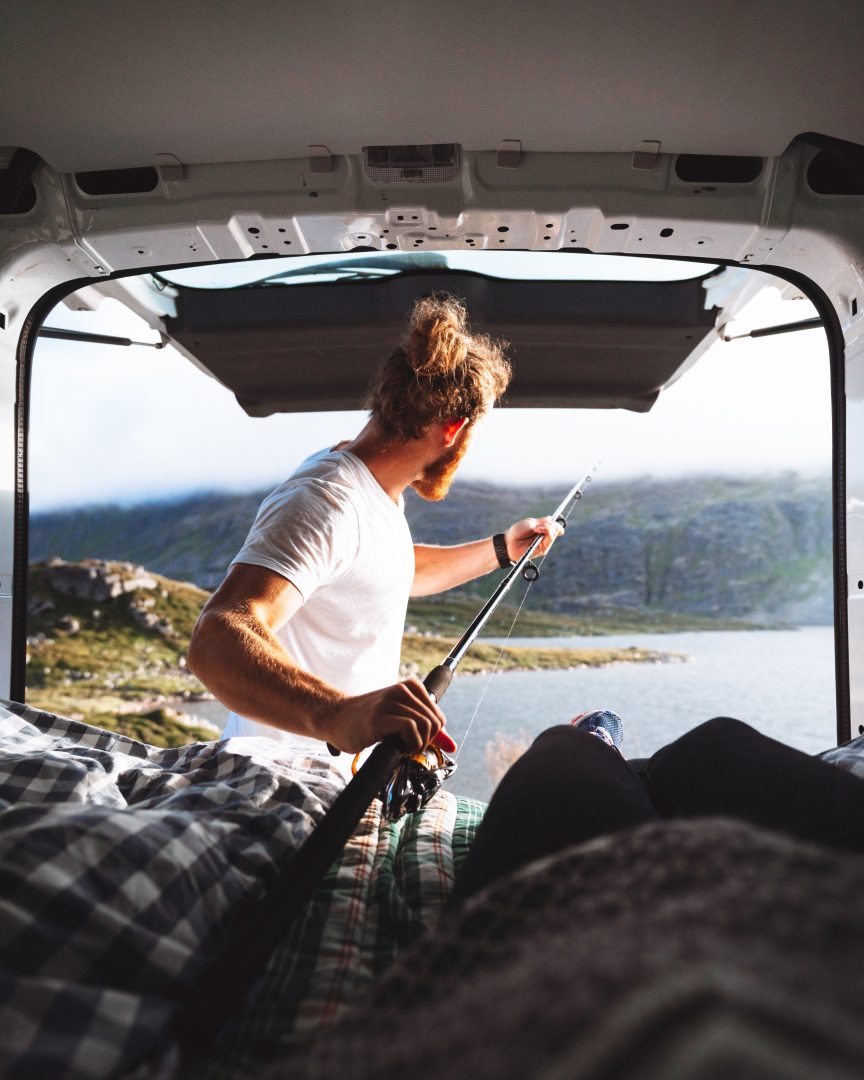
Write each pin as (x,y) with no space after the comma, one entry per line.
(96,579)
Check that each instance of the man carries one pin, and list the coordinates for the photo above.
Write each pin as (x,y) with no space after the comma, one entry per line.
(302,638)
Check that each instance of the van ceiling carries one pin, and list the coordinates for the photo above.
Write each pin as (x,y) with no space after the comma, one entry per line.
(108,85)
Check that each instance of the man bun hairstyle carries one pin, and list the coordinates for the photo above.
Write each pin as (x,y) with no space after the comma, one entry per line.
(440,372)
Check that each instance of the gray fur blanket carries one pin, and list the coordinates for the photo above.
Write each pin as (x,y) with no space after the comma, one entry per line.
(700,949)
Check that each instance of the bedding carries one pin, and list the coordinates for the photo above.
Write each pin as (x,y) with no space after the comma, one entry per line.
(121,864)
(389,886)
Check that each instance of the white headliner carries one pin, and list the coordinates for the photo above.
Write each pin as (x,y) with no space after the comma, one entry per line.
(110,84)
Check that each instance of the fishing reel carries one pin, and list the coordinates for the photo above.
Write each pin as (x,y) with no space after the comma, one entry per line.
(416,780)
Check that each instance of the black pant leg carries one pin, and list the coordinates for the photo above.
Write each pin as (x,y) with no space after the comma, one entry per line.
(568,787)
(728,768)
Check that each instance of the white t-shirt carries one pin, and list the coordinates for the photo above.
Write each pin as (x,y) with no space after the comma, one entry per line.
(336,535)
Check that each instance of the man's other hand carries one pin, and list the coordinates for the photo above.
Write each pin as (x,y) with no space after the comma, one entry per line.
(404,709)
(520,535)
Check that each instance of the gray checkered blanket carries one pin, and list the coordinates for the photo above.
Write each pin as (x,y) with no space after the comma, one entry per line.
(120,865)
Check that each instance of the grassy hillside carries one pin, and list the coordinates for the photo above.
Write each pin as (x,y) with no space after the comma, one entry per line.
(97,658)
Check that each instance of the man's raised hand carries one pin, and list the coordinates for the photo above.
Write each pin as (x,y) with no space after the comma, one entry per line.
(520,535)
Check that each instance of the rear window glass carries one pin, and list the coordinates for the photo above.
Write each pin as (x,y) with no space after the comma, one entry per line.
(360,266)
(695,578)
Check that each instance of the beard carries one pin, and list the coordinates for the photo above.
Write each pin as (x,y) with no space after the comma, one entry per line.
(435,482)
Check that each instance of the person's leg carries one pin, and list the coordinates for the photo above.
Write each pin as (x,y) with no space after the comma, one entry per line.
(569,786)
(728,768)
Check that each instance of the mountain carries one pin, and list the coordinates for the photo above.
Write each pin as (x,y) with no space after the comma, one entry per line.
(717,547)
(191,539)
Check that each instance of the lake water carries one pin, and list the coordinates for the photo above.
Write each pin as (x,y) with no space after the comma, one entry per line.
(780,681)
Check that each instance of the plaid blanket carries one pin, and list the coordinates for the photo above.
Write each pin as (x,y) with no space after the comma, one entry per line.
(120,866)
(389,886)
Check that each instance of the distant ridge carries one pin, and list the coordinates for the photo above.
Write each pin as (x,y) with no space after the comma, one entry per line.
(757,549)
(188,539)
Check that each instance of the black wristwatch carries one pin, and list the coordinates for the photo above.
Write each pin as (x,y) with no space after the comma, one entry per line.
(500,545)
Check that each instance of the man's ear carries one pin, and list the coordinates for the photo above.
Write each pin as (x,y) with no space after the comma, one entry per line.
(451,428)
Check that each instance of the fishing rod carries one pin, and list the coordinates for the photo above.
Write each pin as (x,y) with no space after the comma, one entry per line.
(440,677)
(405,784)
(416,778)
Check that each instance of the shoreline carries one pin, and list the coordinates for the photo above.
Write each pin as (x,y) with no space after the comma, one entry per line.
(442,617)
(422,652)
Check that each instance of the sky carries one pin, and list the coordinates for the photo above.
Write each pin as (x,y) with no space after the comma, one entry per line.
(126,425)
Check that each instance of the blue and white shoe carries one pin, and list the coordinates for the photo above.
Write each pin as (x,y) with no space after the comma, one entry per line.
(604,725)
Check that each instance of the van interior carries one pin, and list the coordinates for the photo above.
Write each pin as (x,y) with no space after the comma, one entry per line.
(267,188)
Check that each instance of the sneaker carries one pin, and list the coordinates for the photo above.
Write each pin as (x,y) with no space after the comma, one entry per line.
(604,725)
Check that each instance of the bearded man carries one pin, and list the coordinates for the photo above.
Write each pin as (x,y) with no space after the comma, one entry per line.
(302,639)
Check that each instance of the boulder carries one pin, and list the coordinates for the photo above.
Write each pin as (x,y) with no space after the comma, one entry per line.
(141,613)
(142,617)
(95,579)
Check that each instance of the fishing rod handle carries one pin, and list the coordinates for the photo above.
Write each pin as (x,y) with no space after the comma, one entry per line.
(437,681)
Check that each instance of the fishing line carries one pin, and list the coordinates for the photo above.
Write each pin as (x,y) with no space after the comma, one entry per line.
(529,582)
(494,667)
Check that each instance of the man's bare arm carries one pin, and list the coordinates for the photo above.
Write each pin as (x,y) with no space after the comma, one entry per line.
(437,569)
(235,652)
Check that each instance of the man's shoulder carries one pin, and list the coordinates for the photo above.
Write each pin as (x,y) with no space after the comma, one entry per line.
(333,475)
(327,466)
(306,520)
(321,484)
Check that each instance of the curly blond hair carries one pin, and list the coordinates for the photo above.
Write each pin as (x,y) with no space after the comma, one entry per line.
(440,372)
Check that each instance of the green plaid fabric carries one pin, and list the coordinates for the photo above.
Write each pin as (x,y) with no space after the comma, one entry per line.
(391,883)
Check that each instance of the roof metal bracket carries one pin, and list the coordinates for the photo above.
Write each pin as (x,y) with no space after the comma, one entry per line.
(320,159)
(171,169)
(509,154)
(646,153)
